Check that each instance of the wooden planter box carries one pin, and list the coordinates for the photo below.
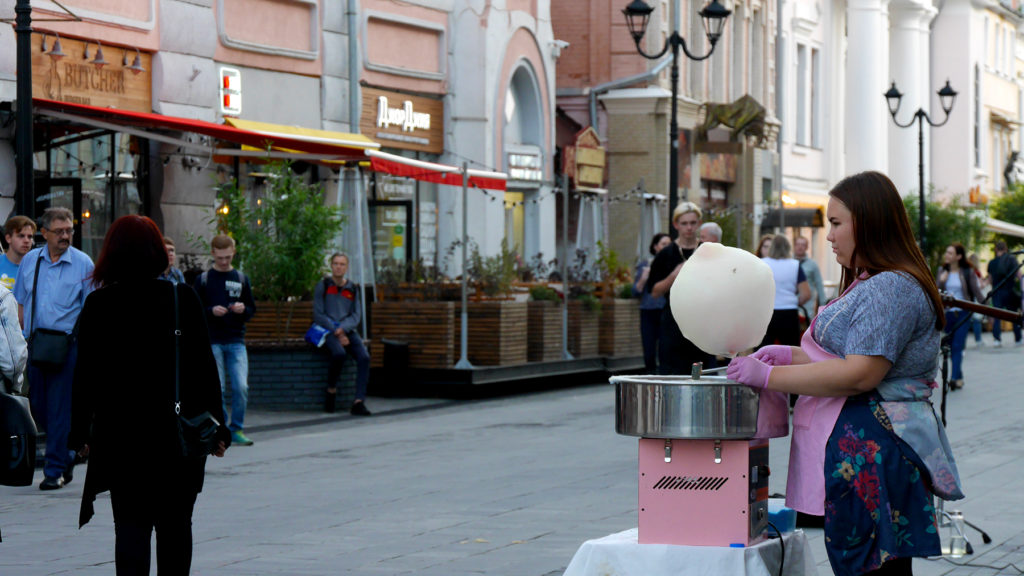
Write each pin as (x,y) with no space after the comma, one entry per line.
(428,328)
(543,331)
(583,330)
(620,328)
(497,332)
(279,322)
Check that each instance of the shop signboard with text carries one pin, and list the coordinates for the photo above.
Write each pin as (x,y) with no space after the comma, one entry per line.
(403,121)
(90,73)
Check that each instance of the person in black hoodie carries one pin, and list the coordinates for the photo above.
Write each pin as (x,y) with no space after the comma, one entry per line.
(227,299)
(123,410)
(336,309)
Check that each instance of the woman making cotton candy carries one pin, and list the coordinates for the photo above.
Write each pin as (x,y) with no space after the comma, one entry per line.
(868,451)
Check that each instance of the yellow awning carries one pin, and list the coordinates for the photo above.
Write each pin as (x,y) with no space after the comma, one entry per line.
(1002,227)
(317,140)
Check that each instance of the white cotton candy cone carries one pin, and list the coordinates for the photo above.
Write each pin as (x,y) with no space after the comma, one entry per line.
(723,299)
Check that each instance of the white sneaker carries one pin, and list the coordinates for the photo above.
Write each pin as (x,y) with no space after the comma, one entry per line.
(998,344)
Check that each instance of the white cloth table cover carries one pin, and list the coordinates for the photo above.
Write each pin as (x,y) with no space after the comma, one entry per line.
(620,555)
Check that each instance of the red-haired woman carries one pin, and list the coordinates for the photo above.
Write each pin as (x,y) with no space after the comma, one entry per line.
(868,452)
(123,398)
(957,278)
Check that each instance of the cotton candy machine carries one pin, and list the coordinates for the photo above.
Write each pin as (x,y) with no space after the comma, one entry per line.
(703,477)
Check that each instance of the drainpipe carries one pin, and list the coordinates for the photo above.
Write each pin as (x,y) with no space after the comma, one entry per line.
(621,83)
(354,98)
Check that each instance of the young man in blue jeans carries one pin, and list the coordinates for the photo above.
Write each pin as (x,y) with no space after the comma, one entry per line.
(227,298)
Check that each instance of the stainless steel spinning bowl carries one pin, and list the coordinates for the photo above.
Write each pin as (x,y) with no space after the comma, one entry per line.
(710,408)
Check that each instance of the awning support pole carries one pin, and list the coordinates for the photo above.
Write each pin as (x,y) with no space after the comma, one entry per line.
(358,206)
(566,355)
(463,363)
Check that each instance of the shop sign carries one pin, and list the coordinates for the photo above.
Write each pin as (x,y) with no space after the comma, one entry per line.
(403,121)
(585,160)
(76,79)
(525,167)
(230,91)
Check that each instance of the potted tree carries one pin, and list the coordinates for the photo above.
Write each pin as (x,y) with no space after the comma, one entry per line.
(619,326)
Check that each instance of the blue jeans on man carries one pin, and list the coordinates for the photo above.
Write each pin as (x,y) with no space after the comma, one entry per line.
(1007,300)
(358,352)
(232,358)
(50,397)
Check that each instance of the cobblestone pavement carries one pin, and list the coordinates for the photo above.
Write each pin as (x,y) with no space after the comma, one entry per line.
(507,486)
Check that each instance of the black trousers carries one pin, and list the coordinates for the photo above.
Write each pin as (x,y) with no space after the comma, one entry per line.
(784,328)
(135,517)
(650,332)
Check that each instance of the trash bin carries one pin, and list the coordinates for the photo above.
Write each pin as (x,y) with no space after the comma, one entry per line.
(396,363)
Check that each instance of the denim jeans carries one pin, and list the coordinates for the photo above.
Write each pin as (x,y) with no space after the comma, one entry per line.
(233,356)
(1005,299)
(50,397)
(959,340)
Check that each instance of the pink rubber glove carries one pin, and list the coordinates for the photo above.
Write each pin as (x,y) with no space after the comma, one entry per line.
(750,371)
(775,355)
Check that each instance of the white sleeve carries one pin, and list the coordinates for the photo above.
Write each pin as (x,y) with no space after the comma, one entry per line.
(13,348)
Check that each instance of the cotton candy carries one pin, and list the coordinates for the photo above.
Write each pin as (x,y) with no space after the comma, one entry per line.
(723,299)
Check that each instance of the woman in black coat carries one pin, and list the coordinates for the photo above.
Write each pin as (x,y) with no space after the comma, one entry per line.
(123,399)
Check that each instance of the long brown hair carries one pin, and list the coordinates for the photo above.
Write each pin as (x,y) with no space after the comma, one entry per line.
(882,237)
(961,257)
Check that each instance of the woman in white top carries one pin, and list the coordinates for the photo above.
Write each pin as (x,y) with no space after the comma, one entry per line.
(791,291)
(957,279)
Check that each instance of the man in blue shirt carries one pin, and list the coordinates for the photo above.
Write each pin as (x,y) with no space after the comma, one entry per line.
(59,292)
(19,232)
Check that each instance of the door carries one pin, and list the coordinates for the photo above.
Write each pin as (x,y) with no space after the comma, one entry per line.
(390,224)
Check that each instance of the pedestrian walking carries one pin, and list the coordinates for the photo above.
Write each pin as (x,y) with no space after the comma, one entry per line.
(764,245)
(336,308)
(977,317)
(19,232)
(227,298)
(676,354)
(171,274)
(956,277)
(124,413)
(791,291)
(710,232)
(650,307)
(865,371)
(53,282)
(813,274)
(1005,277)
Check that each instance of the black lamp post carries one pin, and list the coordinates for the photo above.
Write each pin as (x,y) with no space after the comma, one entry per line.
(947,97)
(638,15)
(24,201)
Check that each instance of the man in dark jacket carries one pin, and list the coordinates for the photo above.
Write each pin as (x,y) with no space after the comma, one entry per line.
(999,268)
(227,299)
(336,309)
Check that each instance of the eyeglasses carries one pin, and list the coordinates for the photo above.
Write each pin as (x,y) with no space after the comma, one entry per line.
(60,232)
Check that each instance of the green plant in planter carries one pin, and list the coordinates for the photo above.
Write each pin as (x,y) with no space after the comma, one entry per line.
(544,294)
(589,301)
(625,292)
(282,238)
(495,274)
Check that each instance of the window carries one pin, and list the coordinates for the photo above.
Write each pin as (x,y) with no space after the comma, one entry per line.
(977,116)
(738,52)
(758,55)
(815,96)
(695,42)
(985,40)
(802,110)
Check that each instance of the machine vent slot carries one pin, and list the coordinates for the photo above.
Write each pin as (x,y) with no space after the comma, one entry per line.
(707,483)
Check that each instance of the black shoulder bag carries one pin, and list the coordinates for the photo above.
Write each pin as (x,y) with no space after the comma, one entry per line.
(17,440)
(198,435)
(46,348)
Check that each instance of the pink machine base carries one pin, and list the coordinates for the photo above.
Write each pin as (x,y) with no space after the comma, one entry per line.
(694,501)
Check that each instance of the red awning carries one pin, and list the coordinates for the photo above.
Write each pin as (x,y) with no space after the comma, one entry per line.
(431,172)
(146,121)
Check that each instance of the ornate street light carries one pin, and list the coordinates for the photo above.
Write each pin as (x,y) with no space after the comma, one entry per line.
(638,16)
(947,97)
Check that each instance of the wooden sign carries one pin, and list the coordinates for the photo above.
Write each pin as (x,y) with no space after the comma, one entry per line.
(403,121)
(588,157)
(78,80)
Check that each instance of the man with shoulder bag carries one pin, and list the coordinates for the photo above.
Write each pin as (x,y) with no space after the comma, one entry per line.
(53,282)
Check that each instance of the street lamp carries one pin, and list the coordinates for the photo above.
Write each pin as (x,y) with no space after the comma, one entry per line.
(638,15)
(947,97)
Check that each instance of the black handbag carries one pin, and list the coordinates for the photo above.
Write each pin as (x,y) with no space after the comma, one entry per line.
(17,440)
(46,348)
(197,435)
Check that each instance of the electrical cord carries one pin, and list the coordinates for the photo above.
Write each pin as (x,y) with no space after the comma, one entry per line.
(976,565)
(782,544)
